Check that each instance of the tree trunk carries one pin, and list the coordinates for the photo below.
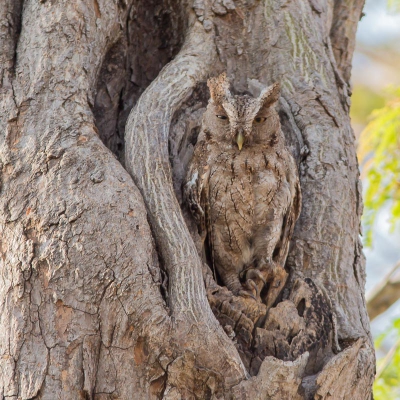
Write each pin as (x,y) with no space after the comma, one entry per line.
(102,292)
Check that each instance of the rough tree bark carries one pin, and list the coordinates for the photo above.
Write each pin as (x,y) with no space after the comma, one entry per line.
(102,292)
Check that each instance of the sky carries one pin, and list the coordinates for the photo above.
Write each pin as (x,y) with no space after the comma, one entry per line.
(379,26)
(377,55)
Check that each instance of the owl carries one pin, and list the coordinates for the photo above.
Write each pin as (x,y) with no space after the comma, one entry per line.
(243,190)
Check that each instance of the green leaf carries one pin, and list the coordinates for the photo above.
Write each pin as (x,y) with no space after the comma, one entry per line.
(379,154)
(387,385)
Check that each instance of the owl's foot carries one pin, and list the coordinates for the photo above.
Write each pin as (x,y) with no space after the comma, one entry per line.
(254,284)
(258,278)
(250,289)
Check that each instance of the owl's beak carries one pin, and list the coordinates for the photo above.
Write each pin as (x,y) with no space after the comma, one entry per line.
(240,140)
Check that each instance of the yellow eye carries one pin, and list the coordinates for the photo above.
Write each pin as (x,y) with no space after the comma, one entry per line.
(260,119)
(222,117)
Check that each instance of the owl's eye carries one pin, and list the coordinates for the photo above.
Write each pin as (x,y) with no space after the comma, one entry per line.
(260,119)
(222,117)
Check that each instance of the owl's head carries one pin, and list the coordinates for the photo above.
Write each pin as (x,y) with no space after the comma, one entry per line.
(242,120)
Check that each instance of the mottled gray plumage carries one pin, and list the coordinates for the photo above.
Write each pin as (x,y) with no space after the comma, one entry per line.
(243,189)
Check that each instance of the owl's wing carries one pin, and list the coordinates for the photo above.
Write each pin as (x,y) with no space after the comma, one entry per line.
(290,218)
(195,189)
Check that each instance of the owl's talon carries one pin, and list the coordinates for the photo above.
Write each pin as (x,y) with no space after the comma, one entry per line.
(245,293)
(252,290)
(255,273)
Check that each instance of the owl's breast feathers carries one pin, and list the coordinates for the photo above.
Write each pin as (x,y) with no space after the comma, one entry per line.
(247,202)
(245,186)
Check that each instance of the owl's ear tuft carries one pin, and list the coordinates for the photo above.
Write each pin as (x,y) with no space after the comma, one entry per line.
(219,88)
(270,95)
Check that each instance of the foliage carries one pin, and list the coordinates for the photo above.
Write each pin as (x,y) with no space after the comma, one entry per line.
(379,154)
(387,383)
(394,5)
(363,101)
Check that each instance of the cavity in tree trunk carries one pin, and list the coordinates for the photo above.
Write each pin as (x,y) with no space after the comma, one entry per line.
(102,292)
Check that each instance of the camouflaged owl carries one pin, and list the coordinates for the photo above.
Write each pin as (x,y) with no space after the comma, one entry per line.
(242,187)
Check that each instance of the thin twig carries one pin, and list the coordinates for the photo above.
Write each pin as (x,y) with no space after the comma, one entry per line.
(387,359)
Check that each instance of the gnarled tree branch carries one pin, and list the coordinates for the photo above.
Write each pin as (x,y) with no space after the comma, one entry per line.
(147,161)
